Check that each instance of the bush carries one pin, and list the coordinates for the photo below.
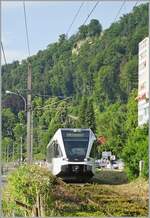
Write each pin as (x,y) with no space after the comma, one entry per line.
(135,150)
(29,191)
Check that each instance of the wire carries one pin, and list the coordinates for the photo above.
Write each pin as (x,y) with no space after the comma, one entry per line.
(122,7)
(4,56)
(91,12)
(26,27)
(136,3)
(116,17)
(75,17)
(119,10)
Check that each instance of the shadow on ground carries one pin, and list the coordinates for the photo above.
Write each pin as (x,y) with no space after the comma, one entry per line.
(110,177)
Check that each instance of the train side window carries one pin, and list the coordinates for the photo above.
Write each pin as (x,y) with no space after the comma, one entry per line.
(57,150)
(94,150)
(54,151)
(50,153)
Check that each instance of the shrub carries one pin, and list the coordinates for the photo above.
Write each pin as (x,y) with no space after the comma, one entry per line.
(135,150)
(29,191)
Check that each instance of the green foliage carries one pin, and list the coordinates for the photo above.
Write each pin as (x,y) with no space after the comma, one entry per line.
(132,112)
(7,145)
(113,120)
(94,28)
(83,31)
(136,146)
(8,121)
(19,130)
(105,86)
(25,185)
(135,150)
(56,71)
(87,115)
(129,75)
(102,68)
(62,38)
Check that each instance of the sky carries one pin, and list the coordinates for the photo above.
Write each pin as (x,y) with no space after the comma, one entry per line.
(47,20)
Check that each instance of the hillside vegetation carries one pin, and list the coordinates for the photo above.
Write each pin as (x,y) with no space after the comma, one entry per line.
(99,70)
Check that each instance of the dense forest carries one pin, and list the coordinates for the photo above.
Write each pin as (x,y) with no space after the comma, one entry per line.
(96,72)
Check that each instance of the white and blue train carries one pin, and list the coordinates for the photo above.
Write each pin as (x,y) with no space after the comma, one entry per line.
(69,154)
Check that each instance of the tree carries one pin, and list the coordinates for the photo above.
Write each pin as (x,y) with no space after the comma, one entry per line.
(20,137)
(7,148)
(129,76)
(94,28)
(83,31)
(110,124)
(90,116)
(135,150)
(132,113)
(62,38)
(8,122)
(103,69)
(87,115)
(105,83)
(136,146)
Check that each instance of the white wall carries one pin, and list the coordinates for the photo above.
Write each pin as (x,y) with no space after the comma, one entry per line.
(143,81)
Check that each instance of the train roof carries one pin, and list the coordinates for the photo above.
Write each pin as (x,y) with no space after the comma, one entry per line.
(71,129)
(79,129)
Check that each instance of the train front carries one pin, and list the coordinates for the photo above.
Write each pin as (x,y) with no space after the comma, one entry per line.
(77,163)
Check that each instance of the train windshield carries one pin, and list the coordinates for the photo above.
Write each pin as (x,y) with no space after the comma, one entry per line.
(76,144)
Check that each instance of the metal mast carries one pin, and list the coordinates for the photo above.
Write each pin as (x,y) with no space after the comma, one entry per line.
(29,116)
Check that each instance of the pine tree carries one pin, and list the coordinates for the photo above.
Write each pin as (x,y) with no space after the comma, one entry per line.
(86,115)
(90,116)
(82,113)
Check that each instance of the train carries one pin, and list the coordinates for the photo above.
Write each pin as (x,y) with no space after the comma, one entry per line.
(69,154)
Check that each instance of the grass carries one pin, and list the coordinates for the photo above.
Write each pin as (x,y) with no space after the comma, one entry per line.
(109,194)
(110,177)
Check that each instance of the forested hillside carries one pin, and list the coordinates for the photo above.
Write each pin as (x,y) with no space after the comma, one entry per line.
(99,71)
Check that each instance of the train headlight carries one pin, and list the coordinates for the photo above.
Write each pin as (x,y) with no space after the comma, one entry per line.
(64,168)
(87,159)
(75,168)
(65,159)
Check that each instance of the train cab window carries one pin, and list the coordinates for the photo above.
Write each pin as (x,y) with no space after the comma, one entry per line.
(75,144)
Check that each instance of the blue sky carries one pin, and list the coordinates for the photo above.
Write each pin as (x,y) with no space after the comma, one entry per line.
(47,20)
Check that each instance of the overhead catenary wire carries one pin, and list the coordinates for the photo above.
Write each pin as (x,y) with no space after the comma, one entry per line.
(123,3)
(26,28)
(74,19)
(91,12)
(137,3)
(4,56)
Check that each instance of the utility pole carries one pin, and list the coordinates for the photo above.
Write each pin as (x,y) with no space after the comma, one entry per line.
(13,154)
(32,134)
(7,156)
(21,150)
(29,115)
